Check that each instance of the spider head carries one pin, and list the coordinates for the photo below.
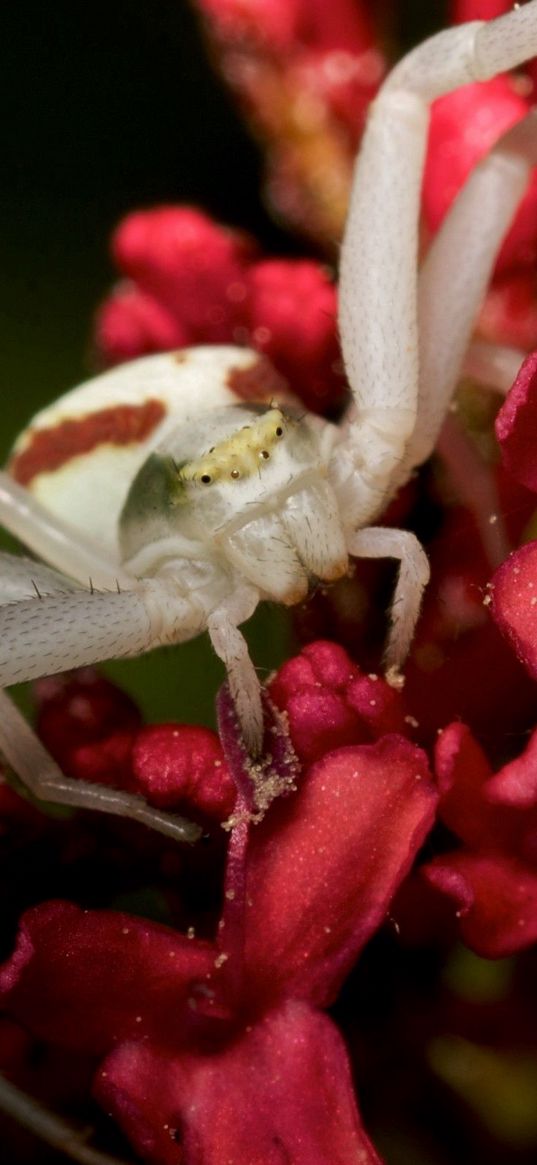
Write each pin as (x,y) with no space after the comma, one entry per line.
(244,485)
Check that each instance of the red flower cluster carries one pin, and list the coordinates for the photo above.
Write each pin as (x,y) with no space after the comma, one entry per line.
(191,281)
(193,1036)
(304,73)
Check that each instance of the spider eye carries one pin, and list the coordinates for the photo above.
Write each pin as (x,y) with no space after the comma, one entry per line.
(265,454)
(279,431)
(206,478)
(235,474)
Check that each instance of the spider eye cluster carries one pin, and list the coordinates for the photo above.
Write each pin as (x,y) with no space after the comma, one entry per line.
(239,455)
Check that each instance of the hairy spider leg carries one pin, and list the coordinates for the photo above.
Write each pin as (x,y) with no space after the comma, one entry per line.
(456,272)
(378,277)
(63,627)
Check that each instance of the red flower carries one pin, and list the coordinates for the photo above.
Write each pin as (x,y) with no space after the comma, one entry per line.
(217,1045)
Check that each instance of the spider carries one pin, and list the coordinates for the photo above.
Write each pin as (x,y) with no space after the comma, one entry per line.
(185,503)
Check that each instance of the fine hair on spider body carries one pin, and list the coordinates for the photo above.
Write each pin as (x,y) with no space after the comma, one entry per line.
(213,503)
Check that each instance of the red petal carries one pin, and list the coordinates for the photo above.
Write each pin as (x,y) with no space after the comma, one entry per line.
(462,770)
(496,898)
(473,803)
(514,603)
(280,1092)
(516,425)
(323,866)
(84,979)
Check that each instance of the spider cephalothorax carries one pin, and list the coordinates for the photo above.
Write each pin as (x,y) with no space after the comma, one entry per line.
(255,503)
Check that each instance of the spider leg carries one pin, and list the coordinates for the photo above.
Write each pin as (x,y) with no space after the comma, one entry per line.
(230,645)
(58,543)
(40,774)
(22,578)
(387,542)
(456,272)
(66,1138)
(449,296)
(58,632)
(378,278)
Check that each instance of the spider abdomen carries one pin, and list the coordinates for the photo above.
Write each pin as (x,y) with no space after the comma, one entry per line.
(79,456)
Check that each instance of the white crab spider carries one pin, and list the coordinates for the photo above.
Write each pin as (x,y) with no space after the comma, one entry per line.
(185,505)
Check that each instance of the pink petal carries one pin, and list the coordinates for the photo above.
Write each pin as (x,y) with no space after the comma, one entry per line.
(516,426)
(496,897)
(281,1092)
(84,979)
(514,603)
(324,865)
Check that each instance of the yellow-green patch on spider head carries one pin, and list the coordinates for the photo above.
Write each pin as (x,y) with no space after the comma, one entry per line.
(241,454)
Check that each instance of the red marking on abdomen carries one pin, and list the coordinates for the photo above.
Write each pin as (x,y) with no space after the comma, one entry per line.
(260,382)
(49,449)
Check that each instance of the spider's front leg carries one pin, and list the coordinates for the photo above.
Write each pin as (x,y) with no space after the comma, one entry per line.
(230,645)
(383,435)
(60,631)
